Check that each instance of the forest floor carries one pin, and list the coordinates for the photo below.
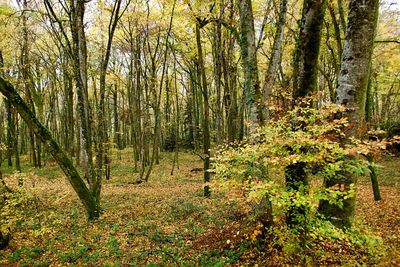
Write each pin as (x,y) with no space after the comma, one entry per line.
(167,222)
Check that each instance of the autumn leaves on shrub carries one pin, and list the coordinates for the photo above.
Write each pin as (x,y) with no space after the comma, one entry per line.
(313,140)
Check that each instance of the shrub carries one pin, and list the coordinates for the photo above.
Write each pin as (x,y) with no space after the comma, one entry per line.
(314,138)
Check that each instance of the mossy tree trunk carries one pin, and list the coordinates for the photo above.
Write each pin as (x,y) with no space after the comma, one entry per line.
(307,48)
(247,42)
(275,57)
(351,92)
(304,84)
(86,197)
(79,60)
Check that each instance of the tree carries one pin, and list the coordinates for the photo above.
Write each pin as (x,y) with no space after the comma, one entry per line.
(248,52)
(307,48)
(351,93)
(76,49)
(116,14)
(275,57)
(86,197)
(304,84)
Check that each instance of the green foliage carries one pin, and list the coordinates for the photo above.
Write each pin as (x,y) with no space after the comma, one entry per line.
(306,135)
(30,256)
(183,209)
(322,239)
(318,140)
(13,207)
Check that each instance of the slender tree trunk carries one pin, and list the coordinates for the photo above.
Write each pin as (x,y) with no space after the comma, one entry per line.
(10,132)
(25,73)
(15,135)
(206,121)
(9,123)
(342,15)
(101,118)
(336,27)
(177,122)
(69,99)
(374,178)
(369,100)
(79,59)
(218,73)
(156,134)
(275,58)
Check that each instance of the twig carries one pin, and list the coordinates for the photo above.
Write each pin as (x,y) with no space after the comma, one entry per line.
(198,154)
(387,41)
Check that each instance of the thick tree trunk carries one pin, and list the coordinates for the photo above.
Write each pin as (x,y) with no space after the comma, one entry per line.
(230,83)
(248,52)
(351,92)
(307,48)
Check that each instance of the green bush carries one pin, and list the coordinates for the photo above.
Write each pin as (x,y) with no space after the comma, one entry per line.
(318,140)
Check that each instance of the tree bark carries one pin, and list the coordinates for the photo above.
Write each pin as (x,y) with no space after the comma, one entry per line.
(248,52)
(304,84)
(307,48)
(206,122)
(351,93)
(103,138)
(53,148)
(275,58)
(78,54)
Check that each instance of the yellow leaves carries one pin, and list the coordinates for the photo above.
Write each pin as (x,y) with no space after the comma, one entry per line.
(256,233)
(12,208)
(376,132)
(3,147)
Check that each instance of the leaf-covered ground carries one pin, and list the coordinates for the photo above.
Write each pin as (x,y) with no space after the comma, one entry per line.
(167,222)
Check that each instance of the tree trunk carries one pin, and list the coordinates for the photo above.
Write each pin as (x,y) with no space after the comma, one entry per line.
(275,58)
(79,60)
(217,58)
(52,146)
(206,122)
(248,52)
(304,84)
(101,112)
(307,49)
(374,178)
(351,92)
(10,132)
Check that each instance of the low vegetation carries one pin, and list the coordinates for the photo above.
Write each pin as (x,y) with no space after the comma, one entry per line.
(167,221)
